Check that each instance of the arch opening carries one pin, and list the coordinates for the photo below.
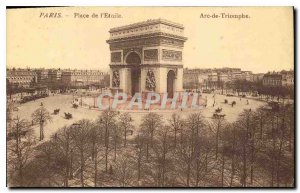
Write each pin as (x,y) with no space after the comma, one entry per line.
(134,61)
(170,83)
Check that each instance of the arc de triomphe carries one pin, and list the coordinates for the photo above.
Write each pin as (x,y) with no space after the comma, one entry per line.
(147,57)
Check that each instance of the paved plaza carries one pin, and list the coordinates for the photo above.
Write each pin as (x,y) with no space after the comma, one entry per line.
(64,103)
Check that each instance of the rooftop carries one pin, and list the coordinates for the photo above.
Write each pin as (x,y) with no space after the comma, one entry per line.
(146,23)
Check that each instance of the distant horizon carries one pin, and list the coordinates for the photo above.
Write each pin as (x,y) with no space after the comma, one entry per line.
(107,70)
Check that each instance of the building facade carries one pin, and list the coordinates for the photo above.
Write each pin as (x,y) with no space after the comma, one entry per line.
(21,77)
(287,78)
(54,76)
(82,77)
(283,78)
(147,57)
(272,80)
(42,76)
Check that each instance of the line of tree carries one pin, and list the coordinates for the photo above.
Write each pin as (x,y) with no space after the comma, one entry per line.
(243,86)
(257,150)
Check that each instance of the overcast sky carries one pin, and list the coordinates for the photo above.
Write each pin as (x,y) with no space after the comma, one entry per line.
(262,43)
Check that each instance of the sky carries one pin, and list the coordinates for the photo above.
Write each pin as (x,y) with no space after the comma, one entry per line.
(263,42)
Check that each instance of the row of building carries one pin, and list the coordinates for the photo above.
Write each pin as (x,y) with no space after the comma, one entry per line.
(28,77)
(218,77)
(283,78)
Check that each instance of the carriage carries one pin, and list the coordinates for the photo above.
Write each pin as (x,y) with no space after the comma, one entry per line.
(218,110)
(56,111)
(218,115)
(68,115)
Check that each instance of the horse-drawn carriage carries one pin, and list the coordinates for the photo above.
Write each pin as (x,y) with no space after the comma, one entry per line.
(75,106)
(56,111)
(218,115)
(218,110)
(68,115)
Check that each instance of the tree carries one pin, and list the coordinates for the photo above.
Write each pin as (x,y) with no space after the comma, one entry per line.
(125,123)
(64,146)
(139,141)
(189,147)
(41,116)
(161,147)
(96,136)
(176,124)
(216,125)
(45,161)
(123,170)
(107,122)
(20,143)
(150,123)
(80,133)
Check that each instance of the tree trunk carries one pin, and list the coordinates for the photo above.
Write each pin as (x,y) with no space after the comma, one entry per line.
(175,137)
(115,149)
(188,174)
(41,131)
(222,173)
(217,140)
(125,132)
(147,151)
(95,168)
(81,168)
(106,158)
(244,174)
(139,167)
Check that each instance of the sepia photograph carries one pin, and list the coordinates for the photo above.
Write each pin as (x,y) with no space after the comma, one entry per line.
(150,97)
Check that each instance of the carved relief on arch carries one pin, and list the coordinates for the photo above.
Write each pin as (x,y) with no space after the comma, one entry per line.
(151,55)
(150,81)
(171,55)
(116,78)
(116,57)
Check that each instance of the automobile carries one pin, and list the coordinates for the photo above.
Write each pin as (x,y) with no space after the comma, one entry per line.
(229,95)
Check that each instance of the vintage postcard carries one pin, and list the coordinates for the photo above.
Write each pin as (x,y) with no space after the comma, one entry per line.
(150,97)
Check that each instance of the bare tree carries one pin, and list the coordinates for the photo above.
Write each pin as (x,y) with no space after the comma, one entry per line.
(80,133)
(189,143)
(96,136)
(64,146)
(161,148)
(125,123)
(20,150)
(216,125)
(41,116)
(139,147)
(176,124)
(45,159)
(107,121)
(150,123)
(124,169)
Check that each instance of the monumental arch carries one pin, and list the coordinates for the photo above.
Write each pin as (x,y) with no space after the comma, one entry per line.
(147,57)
